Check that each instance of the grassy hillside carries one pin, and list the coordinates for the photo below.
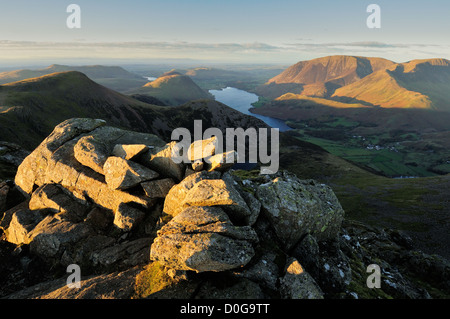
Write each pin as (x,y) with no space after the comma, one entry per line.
(369,81)
(113,77)
(383,89)
(31,108)
(173,88)
(321,77)
(417,206)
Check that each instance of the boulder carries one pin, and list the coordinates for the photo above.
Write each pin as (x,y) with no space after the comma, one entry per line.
(201,149)
(160,159)
(326,263)
(201,189)
(93,149)
(127,217)
(34,169)
(296,208)
(222,161)
(92,152)
(53,162)
(126,254)
(123,174)
(117,285)
(203,239)
(21,224)
(52,236)
(130,151)
(298,284)
(264,271)
(197,166)
(158,188)
(59,200)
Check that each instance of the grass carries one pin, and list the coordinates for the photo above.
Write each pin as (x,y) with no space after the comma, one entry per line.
(151,280)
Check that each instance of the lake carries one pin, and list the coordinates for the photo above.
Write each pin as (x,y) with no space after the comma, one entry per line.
(241,101)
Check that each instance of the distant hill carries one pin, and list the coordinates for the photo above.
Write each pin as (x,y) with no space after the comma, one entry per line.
(113,77)
(173,88)
(415,84)
(30,109)
(368,81)
(321,77)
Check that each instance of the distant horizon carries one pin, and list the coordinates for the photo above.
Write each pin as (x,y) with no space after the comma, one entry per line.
(211,31)
(180,63)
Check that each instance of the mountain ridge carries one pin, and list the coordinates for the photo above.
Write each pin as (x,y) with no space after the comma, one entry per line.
(374,81)
(173,88)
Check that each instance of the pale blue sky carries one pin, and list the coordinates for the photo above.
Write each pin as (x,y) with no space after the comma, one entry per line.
(281,31)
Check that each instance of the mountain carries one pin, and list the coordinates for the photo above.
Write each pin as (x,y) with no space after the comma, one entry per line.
(29,109)
(369,81)
(173,88)
(113,77)
(321,77)
(415,84)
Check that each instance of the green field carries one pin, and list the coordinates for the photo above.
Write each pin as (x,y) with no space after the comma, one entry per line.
(388,154)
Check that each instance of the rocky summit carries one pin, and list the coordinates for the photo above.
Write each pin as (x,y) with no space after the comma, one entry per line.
(140,225)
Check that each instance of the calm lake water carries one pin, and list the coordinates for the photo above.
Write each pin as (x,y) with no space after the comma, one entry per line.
(242,101)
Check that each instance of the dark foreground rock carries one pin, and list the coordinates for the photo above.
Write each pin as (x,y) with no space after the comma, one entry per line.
(140,225)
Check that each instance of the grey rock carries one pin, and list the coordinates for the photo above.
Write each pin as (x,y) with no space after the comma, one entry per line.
(201,149)
(203,239)
(264,271)
(298,284)
(127,254)
(92,152)
(222,161)
(158,188)
(160,159)
(130,151)
(197,166)
(243,289)
(34,169)
(52,236)
(326,263)
(59,201)
(127,217)
(203,189)
(21,224)
(296,208)
(122,174)
(117,285)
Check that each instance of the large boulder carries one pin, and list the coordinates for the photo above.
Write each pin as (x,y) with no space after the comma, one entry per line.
(161,160)
(158,188)
(204,189)
(298,284)
(123,174)
(203,239)
(94,148)
(21,223)
(54,162)
(58,200)
(53,236)
(297,208)
(34,169)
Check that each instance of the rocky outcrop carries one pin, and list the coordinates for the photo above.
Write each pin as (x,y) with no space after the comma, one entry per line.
(297,208)
(115,203)
(203,239)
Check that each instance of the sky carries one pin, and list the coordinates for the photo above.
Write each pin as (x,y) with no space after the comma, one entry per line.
(229,31)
